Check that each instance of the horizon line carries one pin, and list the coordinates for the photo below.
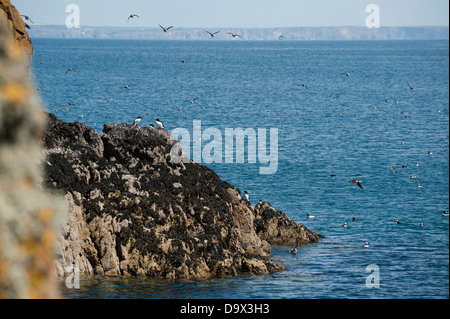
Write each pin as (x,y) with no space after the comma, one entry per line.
(291,27)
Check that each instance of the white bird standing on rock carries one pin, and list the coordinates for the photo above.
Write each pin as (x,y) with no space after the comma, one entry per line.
(247,197)
(137,121)
(160,124)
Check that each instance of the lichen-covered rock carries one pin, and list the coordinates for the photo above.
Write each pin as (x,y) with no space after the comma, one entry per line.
(16,28)
(134,212)
(30,218)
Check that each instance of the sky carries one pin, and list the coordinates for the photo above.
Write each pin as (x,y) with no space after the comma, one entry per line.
(237,13)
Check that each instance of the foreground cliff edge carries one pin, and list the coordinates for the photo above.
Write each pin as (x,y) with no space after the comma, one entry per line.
(135,213)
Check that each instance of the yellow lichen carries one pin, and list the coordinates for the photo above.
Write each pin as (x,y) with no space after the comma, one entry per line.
(14,93)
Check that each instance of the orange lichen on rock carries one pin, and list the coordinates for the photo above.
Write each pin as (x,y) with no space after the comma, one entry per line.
(16,26)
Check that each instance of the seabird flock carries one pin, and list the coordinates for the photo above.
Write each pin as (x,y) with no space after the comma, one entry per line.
(160,125)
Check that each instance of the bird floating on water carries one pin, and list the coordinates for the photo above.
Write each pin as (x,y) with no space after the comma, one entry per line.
(346,73)
(398,222)
(310,216)
(444,213)
(366,245)
(126,86)
(294,250)
(410,87)
(344,225)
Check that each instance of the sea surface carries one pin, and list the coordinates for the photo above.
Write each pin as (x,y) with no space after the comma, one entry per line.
(354,127)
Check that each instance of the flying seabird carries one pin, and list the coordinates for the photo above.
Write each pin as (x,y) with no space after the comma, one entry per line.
(137,121)
(159,123)
(346,74)
(132,16)
(69,70)
(332,175)
(192,101)
(444,213)
(410,87)
(357,182)
(398,222)
(212,34)
(294,250)
(165,29)
(234,35)
(304,86)
(26,18)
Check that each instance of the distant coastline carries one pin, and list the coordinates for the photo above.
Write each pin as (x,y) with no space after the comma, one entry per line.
(253,34)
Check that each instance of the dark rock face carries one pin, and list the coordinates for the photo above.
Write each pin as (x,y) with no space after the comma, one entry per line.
(134,212)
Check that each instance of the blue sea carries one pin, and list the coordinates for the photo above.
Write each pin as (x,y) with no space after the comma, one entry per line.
(354,127)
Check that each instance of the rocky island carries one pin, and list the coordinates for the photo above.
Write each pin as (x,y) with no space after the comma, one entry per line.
(130,210)
(135,213)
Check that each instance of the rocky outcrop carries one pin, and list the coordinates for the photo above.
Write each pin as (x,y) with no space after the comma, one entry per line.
(134,212)
(16,27)
(275,227)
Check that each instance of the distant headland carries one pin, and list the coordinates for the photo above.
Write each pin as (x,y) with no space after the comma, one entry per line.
(253,34)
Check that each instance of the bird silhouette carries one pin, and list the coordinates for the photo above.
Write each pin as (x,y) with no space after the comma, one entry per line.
(357,182)
(165,29)
(133,16)
(234,35)
(192,101)
(212,34)
(69,70)
(26,18)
